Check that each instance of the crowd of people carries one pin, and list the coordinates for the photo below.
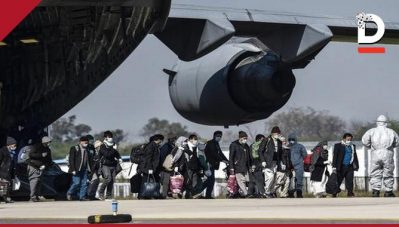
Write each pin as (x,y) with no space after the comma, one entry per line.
(272,166)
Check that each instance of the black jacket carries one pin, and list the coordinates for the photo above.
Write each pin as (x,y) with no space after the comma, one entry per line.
(150,158)
(239,157)
(76,161)
(7,170)
(36,158)
(285,159)
(267,151)
(108,156)
(338,157)
(164,151)
(214,154)
(192,160)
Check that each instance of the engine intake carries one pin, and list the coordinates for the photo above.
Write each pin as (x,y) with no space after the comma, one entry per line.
(235,84)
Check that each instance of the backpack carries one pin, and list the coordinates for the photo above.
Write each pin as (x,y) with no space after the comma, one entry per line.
(307,162)
(23,155)
(137,153)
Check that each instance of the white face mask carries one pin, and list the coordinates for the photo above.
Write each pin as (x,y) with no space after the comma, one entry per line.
(109,140)
(348,143)
(243,141)
(325,147)
(194,143)
(217,139)
(84,145)
(292,141)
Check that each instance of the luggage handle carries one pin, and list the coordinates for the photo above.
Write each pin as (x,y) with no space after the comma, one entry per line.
(177,173)
(148,178)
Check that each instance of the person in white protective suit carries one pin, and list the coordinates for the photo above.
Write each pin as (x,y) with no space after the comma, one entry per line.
(381,140)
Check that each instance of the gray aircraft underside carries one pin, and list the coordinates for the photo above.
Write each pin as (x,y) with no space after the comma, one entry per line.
(235,64)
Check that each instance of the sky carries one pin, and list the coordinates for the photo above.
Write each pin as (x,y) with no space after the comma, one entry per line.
(347,84)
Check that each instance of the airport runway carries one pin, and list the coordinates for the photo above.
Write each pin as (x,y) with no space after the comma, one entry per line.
(308,210)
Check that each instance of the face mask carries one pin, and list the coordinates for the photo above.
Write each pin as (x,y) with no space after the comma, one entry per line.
(217,139)
(243,141)
(12,148)
(194,143)
(109,140)
(325,147)
(292,141)
(276,137)
(85,145)
(348,143)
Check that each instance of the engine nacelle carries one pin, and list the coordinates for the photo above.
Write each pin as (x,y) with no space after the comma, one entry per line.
(235,84)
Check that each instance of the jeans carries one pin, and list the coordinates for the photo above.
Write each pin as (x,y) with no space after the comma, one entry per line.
(79,182)
(210,183)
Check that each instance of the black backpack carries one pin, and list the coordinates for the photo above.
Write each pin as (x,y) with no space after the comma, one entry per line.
(137,153)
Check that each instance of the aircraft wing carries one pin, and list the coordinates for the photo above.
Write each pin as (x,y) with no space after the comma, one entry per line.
(193,31)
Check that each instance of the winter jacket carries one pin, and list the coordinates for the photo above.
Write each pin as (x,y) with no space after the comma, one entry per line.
(192,160)
(338,156)
(239,157)
(254,154)
(150,160)
(76,161)
(36,158)
(108,156)
(285,159)
(268,152)
(214,154)
(165,150)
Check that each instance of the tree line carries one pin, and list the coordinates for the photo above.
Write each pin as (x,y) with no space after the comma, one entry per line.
(307,123)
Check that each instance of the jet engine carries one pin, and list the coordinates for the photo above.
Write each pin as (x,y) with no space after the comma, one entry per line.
(235,84)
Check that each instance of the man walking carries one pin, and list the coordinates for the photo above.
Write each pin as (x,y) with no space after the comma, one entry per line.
(270,148)
(8,165)
(214,156)
(345,162)
(298,153)
(80,163)
(39,160)
(240,161)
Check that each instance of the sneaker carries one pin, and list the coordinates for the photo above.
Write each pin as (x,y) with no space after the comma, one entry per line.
(8,200)
(101,197)
(389,194)
(69,197)
(351,194)
(269,196)
(251,196)
(34,199)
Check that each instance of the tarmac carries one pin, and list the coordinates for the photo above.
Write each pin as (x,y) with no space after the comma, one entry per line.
(307,210)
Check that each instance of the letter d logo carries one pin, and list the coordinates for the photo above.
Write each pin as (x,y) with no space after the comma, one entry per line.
(362,19)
